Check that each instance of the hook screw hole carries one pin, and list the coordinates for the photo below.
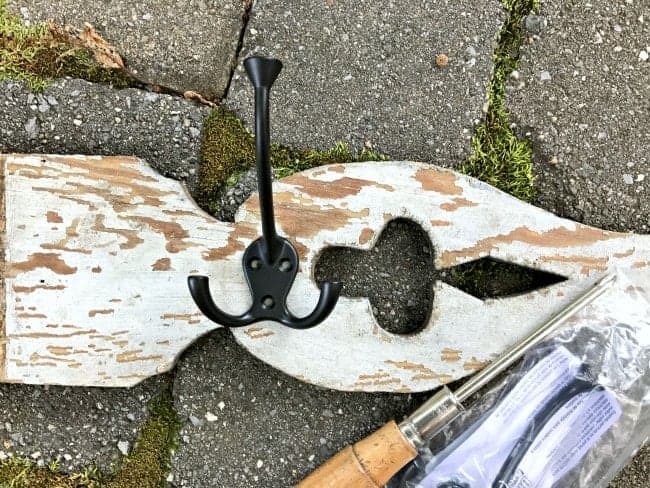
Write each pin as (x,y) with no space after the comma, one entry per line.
(285,265)
(255,263)
(268,302)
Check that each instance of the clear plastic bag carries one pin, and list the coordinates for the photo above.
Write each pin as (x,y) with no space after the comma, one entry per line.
(571,415)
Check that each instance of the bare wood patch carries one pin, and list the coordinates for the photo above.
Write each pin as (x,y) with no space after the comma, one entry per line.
(53,217)
(457,203)
(190,318)
(131,236)
(475,365)
(32,289)
(589,263)
(51,261)
(258,332)
(450,355)
(624,254)
(32,316)
(102,311)
(173,232)
(442,378)
(237,241)
(365,235)
(302,218)
(133,356)
(420,368)
(162,264)
(440,223)
(341,188)
(560,237)
(443,182)
(60,350)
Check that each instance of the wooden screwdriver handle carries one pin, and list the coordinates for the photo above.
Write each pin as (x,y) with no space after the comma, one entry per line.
(370,463)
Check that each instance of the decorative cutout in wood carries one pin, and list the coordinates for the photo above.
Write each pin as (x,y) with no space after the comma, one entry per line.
(97,251)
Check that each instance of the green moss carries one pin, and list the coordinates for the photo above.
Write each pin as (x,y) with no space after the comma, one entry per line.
(146,466)
(228,150)
(18,472)
(498,156)
(32,54)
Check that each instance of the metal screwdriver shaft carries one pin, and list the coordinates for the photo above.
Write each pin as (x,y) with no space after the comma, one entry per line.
(445,405)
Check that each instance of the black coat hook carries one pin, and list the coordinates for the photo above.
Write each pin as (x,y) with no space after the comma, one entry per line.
(270,262)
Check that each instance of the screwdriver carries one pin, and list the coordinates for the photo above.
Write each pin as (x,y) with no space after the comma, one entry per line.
(373,461)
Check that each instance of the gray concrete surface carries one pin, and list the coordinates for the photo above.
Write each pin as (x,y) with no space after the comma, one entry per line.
(248,425)
(77,117)
(582,94)
(80,426)
(245,424)
(186,45)
(365,72)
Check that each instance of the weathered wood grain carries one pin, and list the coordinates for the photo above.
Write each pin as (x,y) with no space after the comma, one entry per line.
(98,249)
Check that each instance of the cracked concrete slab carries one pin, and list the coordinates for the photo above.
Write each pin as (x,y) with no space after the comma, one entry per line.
(77,117)
(582,93)
(246,424)
(80,426)
(179,45)
(366,72)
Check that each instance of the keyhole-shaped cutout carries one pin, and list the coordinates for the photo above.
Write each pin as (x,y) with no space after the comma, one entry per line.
(397,276)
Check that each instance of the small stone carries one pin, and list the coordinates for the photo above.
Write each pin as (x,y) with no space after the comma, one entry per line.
(442,60)
(67,457)
(123,447)
(130,417)
(534,23)
(210,417)
(77,122)
(31,128)
(221,405)
(196,422)
(640,178)
(35,455)
(545,76)
(643,55)
(347,77)
(627,178)
(311,458)
(259,463)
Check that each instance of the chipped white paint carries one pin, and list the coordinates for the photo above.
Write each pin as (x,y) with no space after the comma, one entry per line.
(98,251)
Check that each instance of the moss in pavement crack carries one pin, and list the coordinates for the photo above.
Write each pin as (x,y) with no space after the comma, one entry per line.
(34,55)
(228,150)
(146,466)
(498,156)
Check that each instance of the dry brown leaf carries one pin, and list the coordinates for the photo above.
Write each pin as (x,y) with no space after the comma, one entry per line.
(197,97)
(89,38)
